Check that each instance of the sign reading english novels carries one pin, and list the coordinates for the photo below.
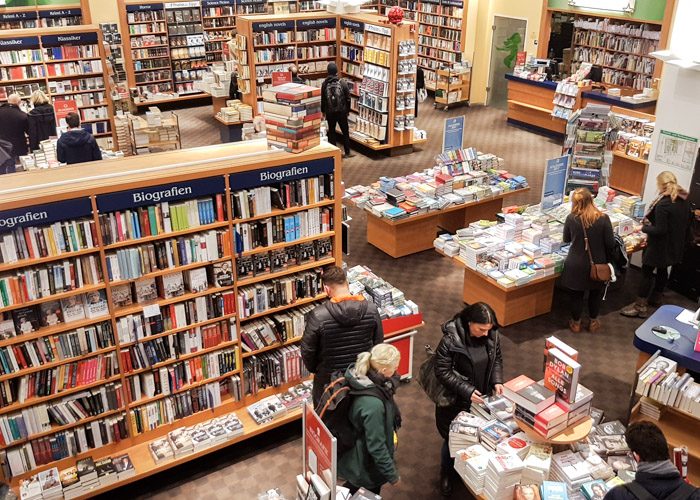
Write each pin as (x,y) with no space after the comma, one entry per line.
(177,191)
(453,133)
(275,175)
(554,183)
(44,215)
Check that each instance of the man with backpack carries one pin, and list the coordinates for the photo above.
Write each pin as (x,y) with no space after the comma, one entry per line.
(657,478)
(338,330)
(335,105)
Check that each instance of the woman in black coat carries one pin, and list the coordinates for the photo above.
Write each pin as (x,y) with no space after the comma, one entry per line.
(665,224)
(42,120)
(468,363)
(577,266)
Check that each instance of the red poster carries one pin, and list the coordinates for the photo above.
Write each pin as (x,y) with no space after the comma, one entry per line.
(280,77)
(62,107)
(520,58)
(319,448)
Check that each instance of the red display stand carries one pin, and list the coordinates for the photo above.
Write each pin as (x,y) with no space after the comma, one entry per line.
(400,333)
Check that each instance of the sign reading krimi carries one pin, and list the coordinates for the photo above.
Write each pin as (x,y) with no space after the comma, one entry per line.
(187,190)
(44,215)
(275,175)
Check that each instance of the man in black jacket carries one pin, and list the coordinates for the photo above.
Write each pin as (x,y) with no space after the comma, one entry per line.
(335,106)
(14,126)
(338,330)
(657,477)
(77,145)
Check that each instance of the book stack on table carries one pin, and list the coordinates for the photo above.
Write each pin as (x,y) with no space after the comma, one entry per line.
(292,116)
(502,475)
(471,464)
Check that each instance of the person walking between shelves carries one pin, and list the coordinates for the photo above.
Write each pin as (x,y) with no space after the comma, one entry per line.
(335,106)
(587,229)
(374,418)
(657,477)
(338,330)
(469,365)
(421,92)
(14,126)
(665,224)
(77,145)
(42,120)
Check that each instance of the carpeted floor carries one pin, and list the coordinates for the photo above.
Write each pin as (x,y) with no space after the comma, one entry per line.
(241,472)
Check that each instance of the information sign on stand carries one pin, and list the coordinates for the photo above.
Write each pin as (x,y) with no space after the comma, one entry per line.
(62,108)
(554,183)
(320,451)
(453,133)
(281,77)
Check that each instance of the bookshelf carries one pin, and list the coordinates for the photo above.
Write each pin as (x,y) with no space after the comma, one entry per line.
(68,13)
(158,232)
(66,63)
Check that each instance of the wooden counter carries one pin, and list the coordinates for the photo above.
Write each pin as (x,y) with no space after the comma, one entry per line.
(416,234)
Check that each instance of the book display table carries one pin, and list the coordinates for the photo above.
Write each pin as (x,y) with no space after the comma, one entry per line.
(571,434)
(416,234)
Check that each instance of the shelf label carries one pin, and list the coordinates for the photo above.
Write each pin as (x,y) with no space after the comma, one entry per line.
(285,173)
(307,24)
(187,190)
(356,25)
(216,3)
(18,16)
(273,25)
(181,5)
(453,3)
(144,7)
(249,2)
(60,13)
(44,215)
(72,39)
(382,30)
(24,42)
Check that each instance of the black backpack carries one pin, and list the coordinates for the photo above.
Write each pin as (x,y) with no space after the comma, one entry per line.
(684,492)
(334,410)
(335,97)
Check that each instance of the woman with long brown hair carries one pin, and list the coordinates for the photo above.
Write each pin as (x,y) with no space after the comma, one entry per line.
(585,220)
(665,224)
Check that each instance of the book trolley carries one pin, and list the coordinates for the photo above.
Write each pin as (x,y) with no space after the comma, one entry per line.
(175,204)
(67,63)
(377,60)
(35,15)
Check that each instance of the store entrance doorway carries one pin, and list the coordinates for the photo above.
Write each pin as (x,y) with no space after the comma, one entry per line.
(508,39)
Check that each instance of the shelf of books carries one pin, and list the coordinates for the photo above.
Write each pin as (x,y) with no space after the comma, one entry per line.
(33,15)
(172,295)
(66,63)
(630,163)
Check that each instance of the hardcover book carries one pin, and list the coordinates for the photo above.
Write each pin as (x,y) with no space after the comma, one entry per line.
(96,304)
(121,295)
(526,492)
(197,280)
(173,285)
(51,313)
(146,290)
(124,466)
(561,374)
(73,308)
(86,469)
(26,320)
(7,329)
(223,275)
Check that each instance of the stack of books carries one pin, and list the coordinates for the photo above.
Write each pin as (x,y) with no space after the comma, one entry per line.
(594,490)
(573,470)
(493,432)
(471,464)
(124,467)
(464,431)
(70,483)
(518,444)
(87,474)
(530,398)
(390,301)
(267,409)
(502,474)
(106,471)
(161,450)
(537,464)
(292,116)
(553,490)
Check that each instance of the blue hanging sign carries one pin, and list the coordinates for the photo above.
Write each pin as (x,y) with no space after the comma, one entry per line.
(355,25)
(60,13)
(144,7)
(285,173)
(273,25)
(23,42)
(68,39)
(18,16)
(217,3)
(44,215)
(306,24)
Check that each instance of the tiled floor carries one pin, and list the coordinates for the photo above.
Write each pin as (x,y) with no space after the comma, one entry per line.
(272,460)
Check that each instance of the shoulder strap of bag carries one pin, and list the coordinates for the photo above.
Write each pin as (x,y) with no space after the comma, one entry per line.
(585,241)
(639,491)
(683,492)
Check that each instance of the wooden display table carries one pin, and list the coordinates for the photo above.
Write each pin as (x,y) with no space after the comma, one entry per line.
(571,434)
(416,234)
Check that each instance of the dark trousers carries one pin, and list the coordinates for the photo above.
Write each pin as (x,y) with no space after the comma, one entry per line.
(8,167)
(353,489)
(595,298)
(648,279)
(447,463)
(341,120)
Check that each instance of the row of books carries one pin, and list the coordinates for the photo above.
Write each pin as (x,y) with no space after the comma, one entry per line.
(660,381)
(133,262)
(74,68)
(22,72)
(286,258)
(274,329)
(71,409)
(256,299)
(160,218)
(52,381)
(272,369)
(283,228)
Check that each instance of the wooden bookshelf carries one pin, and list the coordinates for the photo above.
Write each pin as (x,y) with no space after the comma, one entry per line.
(93,190)
(67,63)
(63,14)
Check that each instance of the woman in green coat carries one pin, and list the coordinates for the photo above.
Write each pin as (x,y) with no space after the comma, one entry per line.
(375,417)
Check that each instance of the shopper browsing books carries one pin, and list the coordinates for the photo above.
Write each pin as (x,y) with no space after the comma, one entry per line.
(335,105)
(375,418)
(42,120)
(338,330)
(656,477)
(14,127)
(591,236)
(665,224)
(469,364)
(77,145)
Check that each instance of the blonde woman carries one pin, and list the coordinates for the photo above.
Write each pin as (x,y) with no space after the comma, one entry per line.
(42,120)
(585,219)
(665,223)
(375,417)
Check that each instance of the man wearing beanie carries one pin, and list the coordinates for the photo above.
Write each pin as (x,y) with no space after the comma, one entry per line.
(335,106)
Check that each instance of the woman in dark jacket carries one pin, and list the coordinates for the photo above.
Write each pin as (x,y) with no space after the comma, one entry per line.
(665,224)
(42,120)
(577,266)
(468,363)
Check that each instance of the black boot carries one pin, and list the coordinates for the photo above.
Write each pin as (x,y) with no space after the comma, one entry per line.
(445,483)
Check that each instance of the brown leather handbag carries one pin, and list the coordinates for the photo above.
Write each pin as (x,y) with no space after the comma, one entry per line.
(599,272)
